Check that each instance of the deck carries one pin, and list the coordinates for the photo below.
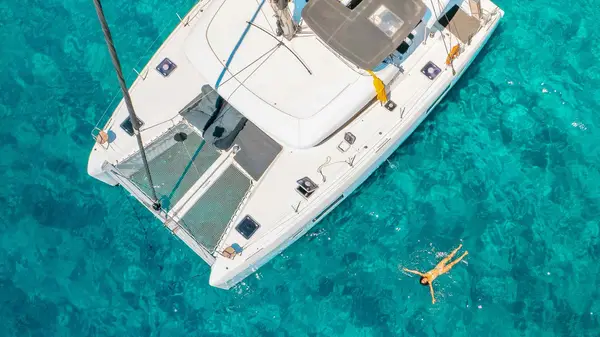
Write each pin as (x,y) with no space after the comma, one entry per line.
(223,186)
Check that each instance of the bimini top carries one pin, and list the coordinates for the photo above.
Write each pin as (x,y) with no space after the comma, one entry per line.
(366,31)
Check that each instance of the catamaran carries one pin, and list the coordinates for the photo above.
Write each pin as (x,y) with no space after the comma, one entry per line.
(255,119)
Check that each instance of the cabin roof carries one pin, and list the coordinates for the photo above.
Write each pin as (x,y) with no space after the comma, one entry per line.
(369,32)
(267,81)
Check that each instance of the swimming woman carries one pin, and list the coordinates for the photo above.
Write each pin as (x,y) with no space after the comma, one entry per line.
(441,268)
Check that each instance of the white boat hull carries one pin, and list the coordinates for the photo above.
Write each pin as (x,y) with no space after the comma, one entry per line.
(271,199)
(226,279)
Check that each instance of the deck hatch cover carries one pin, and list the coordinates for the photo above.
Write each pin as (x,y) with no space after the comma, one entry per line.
(166,67)
(247,227)
(431,70)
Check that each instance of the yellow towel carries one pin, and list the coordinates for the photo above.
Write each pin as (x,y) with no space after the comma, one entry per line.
(379,87)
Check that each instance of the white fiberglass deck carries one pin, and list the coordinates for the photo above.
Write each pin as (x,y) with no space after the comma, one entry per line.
(378,132)
(226,192)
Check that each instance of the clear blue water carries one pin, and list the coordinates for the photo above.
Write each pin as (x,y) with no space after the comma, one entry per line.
(508,164)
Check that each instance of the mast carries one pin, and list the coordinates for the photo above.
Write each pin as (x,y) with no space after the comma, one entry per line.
(132,116)
(285,23)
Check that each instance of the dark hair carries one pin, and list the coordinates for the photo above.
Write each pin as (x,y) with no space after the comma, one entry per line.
(426,281)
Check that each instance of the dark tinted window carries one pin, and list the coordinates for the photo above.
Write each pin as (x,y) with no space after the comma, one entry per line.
(354,3)
(247,227)
(127,126)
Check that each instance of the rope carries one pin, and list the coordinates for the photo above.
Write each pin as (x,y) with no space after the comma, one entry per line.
(328,163)
(320,169)
(266,17)
(238,44)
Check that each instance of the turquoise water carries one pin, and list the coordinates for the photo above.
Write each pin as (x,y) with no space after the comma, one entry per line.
(507,165)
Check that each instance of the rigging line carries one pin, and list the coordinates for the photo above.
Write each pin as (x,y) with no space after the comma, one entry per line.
(139,219)
(252,72)
(226,107)
(439,7)
(443,38)
(262,11)
(297,27)
(168,213)
(161,123)
(441,32)
(286,47)
(190,156)
(187,168)
(132,116)
(136,214)
(447,23)
(450,22)
(242,83)
(237,45)
(134,183)
(450,35)
(213,90)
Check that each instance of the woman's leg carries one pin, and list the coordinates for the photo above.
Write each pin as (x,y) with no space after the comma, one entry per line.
(450,256)
(449,266)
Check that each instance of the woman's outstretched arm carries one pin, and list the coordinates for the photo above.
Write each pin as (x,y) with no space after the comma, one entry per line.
(431,291)
(413,272)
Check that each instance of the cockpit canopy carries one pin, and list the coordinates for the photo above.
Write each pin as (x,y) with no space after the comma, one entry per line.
(364,32)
